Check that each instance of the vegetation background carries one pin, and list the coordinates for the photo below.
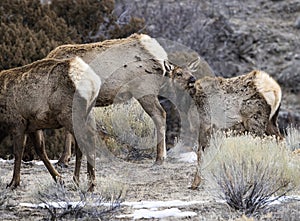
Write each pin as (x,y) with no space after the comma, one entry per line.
(234,37)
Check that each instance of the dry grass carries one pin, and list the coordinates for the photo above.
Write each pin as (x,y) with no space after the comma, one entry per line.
(292,139)
(4,193)
(128,126)
(249,173)
(68,201)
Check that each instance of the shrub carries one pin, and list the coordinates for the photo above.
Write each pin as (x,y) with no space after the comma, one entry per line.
(293,139)
(30,30)
(72,202)
(5,194)
(130,129)
(94,20)
(249,173)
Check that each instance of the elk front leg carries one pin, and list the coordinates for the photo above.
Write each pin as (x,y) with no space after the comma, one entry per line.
(38,140)
(197,178)
(91,172)
(203,142)
(66,155)
(19,141)
(78,157)
(153,108)
(91,153)
(90,167)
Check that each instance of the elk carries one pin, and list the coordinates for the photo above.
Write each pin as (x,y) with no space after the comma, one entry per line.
(130,67)
(41,96)
(247,103)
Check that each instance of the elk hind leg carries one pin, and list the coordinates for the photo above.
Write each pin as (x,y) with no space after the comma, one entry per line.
(153,108)
(19,141)
(66,155)
(39,145)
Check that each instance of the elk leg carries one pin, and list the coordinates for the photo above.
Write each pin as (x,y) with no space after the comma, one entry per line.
(90,167)
(91,151)
(65,157)
(203,142)
(78,156)
(38,140)
(19,141)
(85,130)
(197,178)
(153,108)
(91,172)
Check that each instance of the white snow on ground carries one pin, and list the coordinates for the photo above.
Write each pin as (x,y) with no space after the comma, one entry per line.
(36,162)
(157,204)
(274,201)
(6,161)
(137,214)
(57,205)
(153,213)
(144,209)
(151,209)
(189,157)
(136,205)
(40,163)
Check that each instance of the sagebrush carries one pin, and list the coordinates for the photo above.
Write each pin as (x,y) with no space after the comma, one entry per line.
(249,172)
(75,202)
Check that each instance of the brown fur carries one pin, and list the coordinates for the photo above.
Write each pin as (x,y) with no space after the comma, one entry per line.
(129,68)
(35,97)
(235,104)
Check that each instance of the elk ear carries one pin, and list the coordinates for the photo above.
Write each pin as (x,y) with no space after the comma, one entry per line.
(193,65)
(168,66)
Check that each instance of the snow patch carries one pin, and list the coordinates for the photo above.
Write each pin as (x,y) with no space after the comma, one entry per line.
(274,201)
(41,163)
(57,205)
(150,209)
(157,204)
(189,157)
(148,214)
(6,161)
(135,205)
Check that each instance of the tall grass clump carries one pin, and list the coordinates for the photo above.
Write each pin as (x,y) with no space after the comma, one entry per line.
(66,202)
(249,172)
(4,193)
(293,139)
(128,126)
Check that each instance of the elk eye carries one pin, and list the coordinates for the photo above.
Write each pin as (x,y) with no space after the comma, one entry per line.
(179,74)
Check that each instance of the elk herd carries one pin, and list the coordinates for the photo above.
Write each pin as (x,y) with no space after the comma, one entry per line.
(62,89)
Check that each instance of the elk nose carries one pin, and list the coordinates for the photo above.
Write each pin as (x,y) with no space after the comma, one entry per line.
(192,79)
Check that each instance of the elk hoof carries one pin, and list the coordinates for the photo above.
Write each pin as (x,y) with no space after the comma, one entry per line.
(62,164)
(159,162)
(92,187)
(196,182)
(76,180)
(12,185)
(194,187)
(58,179)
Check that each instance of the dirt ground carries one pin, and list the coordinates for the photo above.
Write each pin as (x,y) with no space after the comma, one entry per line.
(141,181)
